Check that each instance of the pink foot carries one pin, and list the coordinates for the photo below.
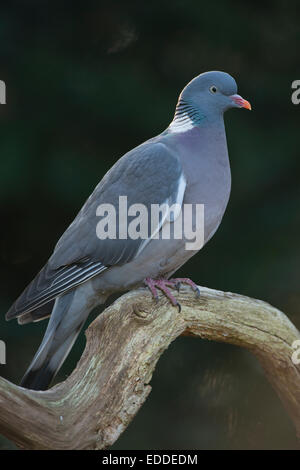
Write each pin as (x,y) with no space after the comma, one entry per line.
(185,280)
(164,284)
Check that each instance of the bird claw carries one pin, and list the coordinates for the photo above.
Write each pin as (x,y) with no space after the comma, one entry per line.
(197,290)
(164,284)
(178,285)
(189,282)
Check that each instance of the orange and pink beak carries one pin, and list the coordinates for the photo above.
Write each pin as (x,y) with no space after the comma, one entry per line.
(240,102)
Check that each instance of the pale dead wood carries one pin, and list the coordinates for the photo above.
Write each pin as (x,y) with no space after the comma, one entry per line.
(96,403)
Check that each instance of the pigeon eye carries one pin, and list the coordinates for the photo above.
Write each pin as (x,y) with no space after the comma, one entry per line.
(213,89)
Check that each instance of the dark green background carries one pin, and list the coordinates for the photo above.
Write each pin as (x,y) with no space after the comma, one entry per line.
(88,81)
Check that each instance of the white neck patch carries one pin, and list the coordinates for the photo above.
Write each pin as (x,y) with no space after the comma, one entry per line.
(181,123)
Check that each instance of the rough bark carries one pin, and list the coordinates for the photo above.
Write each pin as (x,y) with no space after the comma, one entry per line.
(98,400)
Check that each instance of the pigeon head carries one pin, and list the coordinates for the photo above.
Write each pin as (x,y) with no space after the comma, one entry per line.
(212,93)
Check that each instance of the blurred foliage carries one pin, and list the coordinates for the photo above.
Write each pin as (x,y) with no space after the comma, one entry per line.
(88,81)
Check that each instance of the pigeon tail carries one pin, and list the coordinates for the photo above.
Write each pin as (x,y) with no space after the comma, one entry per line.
(41,372)
(65,324)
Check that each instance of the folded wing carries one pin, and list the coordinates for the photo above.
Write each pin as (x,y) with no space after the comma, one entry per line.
(149,174)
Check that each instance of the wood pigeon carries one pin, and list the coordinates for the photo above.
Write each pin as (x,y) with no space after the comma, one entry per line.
(186,165)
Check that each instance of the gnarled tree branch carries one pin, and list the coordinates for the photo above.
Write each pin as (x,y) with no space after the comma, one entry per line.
(96,403)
